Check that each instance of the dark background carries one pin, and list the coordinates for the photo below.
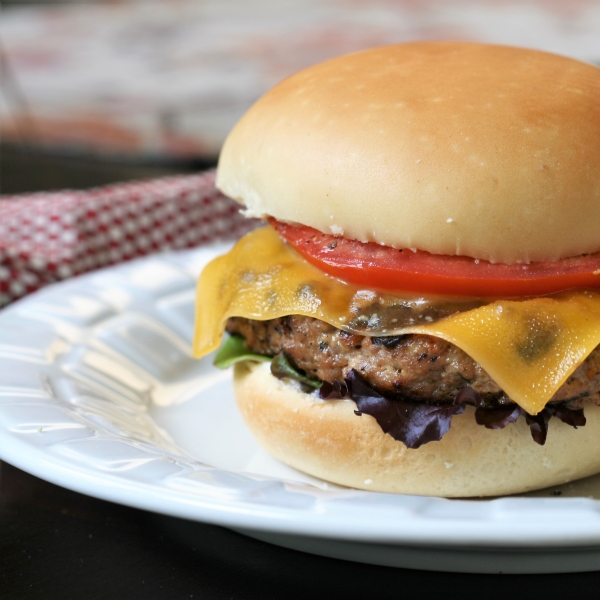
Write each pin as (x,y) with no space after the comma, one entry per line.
(57,544)
(29,169)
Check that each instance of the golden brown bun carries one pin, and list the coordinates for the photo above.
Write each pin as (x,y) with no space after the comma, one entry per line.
(326,439)
(455,148)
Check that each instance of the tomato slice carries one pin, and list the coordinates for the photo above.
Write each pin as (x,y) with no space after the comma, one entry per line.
(389,269)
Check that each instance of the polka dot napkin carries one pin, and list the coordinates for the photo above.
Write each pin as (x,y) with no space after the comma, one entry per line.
(50,236)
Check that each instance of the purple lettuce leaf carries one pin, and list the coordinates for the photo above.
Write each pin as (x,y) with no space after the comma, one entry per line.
(412,423)
(497,417)
(418,423)
(333,391)
(571,417)
(538,425)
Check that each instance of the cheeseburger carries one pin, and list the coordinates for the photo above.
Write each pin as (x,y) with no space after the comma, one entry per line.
(420,312)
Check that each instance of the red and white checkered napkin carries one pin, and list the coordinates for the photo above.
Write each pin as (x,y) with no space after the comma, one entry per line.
(50,236)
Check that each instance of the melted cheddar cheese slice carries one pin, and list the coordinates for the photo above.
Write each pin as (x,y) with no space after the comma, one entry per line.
(529,347)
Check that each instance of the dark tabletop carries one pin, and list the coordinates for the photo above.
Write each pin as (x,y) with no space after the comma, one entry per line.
(55,543)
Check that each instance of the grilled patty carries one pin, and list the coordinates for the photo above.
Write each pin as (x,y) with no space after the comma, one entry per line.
(416,367)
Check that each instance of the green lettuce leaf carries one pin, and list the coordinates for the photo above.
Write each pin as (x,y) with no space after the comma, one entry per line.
(281,367)
(233,350)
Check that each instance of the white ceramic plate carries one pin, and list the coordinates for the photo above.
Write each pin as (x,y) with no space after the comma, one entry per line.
(99,394)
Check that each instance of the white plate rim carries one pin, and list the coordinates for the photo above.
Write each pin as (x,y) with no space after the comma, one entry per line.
(270,505)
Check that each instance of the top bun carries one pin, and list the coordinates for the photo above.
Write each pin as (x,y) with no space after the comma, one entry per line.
(455,148)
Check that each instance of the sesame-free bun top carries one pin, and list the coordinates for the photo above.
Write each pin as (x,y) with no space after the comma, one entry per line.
(455,148)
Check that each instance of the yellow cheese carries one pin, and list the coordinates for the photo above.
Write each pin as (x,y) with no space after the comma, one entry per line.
(529,347)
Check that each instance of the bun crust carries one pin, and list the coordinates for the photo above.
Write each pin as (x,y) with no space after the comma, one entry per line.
(326,439)
(454,148)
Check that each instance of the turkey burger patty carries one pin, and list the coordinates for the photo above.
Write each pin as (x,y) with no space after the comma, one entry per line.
(414,367)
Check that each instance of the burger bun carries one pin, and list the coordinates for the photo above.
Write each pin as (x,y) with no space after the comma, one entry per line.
(454,148)
(326,439)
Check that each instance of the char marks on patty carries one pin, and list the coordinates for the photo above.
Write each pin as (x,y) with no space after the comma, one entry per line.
(416,367)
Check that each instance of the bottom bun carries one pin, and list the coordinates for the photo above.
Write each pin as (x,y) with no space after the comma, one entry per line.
(326,439)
